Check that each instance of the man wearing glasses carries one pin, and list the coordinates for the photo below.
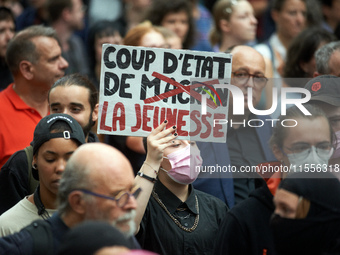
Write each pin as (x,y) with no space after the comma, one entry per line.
(246,145)
(93,187)
(325,93)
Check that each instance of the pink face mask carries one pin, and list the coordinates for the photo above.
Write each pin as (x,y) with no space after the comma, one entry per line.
(180,161)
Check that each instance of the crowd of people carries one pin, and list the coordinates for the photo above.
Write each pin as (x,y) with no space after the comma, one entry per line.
(67,190)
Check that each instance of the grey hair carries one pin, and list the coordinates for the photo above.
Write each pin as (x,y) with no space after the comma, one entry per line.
(75,176)
(21,47)
(323,55)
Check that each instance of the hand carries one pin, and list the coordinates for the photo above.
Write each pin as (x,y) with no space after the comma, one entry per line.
(157,141)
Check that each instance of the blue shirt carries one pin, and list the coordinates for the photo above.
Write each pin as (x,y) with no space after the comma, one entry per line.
(22,242)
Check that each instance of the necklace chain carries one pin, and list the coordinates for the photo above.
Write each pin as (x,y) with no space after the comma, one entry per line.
(159,201)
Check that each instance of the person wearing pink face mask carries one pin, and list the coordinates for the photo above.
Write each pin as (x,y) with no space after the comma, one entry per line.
(172,216)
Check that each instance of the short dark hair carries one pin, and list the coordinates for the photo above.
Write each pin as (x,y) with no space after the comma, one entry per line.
(280,131)
(302,49)
(160,8)
(81,81)
(99,30)
(21,47)
(328,3)
(55,8)
(6,14)
(277,5)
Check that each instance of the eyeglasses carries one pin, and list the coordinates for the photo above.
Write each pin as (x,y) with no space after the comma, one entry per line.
(122,198)
(322,149)
(242,77)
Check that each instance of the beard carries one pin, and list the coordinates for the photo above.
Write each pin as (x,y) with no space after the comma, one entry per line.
(92,213)
(88,127)
(130,216)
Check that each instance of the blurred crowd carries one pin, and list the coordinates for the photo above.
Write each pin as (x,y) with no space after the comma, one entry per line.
(59,178)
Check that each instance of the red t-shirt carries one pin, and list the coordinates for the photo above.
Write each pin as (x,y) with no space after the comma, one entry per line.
(17,123)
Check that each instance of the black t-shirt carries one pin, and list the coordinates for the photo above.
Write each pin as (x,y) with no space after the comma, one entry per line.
(159,232)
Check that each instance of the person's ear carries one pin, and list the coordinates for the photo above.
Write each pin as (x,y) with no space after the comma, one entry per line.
(34,162)
(316,74)
(26,69)
(277,153)
(95,113)
(77,202)
(224,25)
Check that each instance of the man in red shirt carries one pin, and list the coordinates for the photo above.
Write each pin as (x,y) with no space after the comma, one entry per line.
(35,61)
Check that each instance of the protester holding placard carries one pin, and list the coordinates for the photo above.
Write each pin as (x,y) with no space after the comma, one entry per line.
(142,86)
(174,218)
(146,35)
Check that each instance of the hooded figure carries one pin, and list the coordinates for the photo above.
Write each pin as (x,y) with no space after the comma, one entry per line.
(317,229)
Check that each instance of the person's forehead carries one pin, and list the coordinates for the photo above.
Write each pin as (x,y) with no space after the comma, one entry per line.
(5,23)
(283,195)
(46,46)
(291,4)
(58,145)
(152,39)
(117,175)
(248,59)
(241,5)
(113,179)
(312,131)
(79,92)
(331,110)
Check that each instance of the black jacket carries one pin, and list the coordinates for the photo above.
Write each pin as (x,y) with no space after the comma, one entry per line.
(245,230)
(14,183)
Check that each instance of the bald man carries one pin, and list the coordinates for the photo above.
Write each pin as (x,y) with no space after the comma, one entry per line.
(93,187)
(246,145)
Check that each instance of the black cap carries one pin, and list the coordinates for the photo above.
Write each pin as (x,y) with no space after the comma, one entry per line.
(325,88)
(322,188)
(42,132)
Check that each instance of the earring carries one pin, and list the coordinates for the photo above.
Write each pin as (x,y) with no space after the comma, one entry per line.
(35,166)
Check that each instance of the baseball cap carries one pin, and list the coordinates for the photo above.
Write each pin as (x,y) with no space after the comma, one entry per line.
(325,88)
(42,132)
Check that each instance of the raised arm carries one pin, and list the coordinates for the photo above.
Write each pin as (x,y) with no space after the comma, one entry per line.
(157,141)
